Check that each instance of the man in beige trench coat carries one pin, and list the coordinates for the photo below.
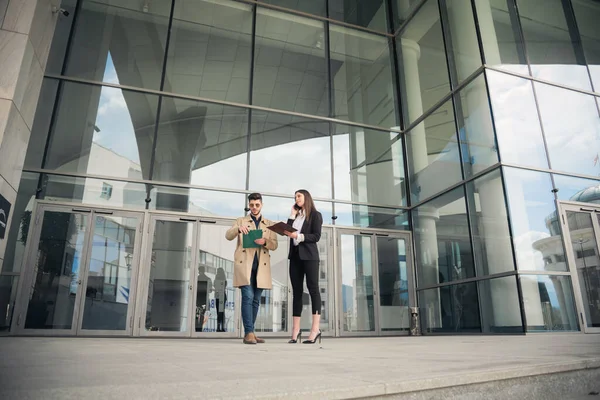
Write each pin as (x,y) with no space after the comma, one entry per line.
(252,266)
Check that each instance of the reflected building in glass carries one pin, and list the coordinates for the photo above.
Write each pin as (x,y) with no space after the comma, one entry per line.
(452,147)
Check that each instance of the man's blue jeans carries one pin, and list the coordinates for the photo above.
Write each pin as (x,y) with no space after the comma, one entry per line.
(250,304)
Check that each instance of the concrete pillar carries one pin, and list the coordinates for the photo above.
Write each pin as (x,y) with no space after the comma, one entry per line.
(26,30)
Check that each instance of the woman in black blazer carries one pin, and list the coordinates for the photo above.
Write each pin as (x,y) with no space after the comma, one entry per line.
(304,260)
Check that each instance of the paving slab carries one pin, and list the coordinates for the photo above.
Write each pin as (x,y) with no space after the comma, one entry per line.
(344,368)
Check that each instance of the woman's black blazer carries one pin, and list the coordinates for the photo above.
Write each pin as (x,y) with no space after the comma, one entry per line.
(311,229)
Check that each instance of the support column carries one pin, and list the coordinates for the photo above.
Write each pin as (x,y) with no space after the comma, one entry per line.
(26,30)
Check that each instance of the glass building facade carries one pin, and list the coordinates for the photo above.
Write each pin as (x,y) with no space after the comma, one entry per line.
(452,147)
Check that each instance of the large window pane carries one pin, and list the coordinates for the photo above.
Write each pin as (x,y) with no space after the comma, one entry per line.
(461,38)
(210,50)
(371,217)
(102,130)
(433,154)
(368,166)
(289,153)
(549,304)
(112,194)
(315,7)
(362,77)
(577,189)
(122,44)
(41,124)
(535,225)
(550,48)
(499,302)
(197,202)
(202,144)
(515,116)
(489,225)
(366,13)
(476,129)
(451,309)
(290,68)
(571,124)
(587,13)
(502,42)
(423,62)
(442,244)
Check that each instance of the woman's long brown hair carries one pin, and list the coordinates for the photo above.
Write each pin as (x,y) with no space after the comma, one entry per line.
(309,204)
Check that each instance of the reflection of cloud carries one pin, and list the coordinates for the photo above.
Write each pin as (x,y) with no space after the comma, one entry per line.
(110,73)
(527,257)
(111,99)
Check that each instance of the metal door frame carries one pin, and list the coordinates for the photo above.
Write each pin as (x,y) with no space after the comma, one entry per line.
(591,209)
(373,234)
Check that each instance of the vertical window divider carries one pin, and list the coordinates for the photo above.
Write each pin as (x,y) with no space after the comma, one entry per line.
(160,99)
(478,32)
(249,114)
(331,105)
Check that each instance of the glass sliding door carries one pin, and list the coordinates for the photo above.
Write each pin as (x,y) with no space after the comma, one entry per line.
(582,237)
(376,286)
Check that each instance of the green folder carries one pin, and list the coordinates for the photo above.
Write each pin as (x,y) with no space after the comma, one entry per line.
(249,239)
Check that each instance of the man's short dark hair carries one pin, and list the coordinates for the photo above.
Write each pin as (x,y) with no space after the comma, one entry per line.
(255,196)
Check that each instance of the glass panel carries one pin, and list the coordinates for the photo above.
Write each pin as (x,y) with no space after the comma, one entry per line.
(41,124)
(201,144)
(433,154)
(122,44)
(102,131)
(518,128)
(462,38)
(215,294)
(499,302)
(371,217)
(502,42)
(548,302)
(56,271)
(394,313)
(489,225)
(18,233)
(452,308)
(552,51)
(587,13)
(106,303)
(326,323)
(535,225)
(476,129)
(60,38)
(366,13)
(284,146)
(368,166)
(423,62)
(169,284)
(315,7)
(8,297)
(273,312)
(587,263)
(197,201)
(572,129)
(577,189)
(279,208)
(210,50)
(402,10)
(442,244)
(358,308)
(290,68)
(113,194)
(361,77)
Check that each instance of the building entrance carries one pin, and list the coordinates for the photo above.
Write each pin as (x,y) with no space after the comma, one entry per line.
(94,271)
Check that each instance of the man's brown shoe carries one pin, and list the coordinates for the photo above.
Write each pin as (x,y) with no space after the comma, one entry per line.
(258,340)
(250,339)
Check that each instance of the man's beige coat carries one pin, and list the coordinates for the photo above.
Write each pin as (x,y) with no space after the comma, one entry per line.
(243,258)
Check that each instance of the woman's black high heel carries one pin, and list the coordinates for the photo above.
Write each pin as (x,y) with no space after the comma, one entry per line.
(298,337)
(315,339)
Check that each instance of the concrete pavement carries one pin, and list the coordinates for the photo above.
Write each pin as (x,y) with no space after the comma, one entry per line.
(402,367)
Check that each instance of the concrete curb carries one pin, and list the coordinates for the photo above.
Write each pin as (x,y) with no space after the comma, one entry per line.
(439,382)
